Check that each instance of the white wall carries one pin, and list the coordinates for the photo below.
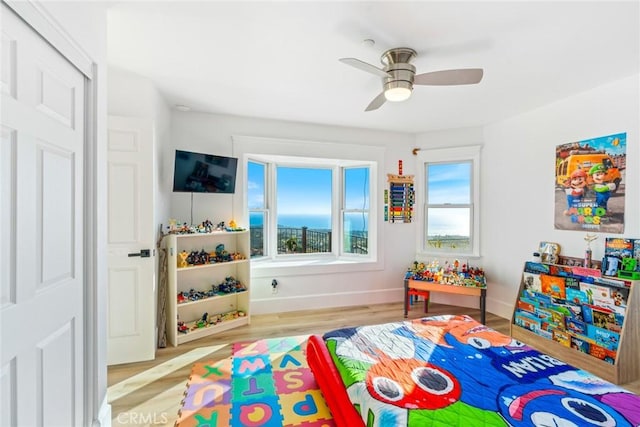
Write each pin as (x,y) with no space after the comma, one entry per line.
(211,133)
(517,181)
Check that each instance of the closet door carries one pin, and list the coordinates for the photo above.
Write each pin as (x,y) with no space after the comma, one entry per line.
(41,237)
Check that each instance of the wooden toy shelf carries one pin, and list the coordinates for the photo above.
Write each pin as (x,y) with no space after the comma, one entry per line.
(626,366)
(201,278)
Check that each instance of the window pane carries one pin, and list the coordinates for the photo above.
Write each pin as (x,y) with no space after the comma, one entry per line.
(449,183)
(303,198)
(448,228)
(356,188)
(356,233)
(256,233)
(255,185)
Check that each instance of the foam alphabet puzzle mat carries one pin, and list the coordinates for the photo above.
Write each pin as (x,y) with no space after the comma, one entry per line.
(264,383)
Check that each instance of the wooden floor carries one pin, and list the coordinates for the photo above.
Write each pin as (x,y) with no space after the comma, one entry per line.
(149,393)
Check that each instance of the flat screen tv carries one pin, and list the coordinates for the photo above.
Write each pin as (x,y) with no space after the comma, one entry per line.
(204,173)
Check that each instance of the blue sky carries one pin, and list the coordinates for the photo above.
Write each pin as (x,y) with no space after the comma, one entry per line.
(304,191)
(449,183)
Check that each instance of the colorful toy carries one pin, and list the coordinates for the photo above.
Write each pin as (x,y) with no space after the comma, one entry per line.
(182,259)
(182,328)
(628,269)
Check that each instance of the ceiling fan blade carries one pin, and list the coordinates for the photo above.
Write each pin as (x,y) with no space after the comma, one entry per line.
(467,76)
(376,103)
(364,66)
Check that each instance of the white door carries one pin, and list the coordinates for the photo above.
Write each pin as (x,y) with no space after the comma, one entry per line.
(41,232)
(131,232)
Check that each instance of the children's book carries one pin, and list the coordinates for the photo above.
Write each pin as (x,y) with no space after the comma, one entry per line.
(562,337)
(572,283)
(602,353)
(577,296)
(603,337)
(536,267)
(615,250)
(580,342)
(597,294)
(569,308)
(553,285)
(558,318)
(576,327)
(532,282)
(599,316)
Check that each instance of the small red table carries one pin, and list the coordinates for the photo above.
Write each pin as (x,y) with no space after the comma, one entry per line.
(449,289)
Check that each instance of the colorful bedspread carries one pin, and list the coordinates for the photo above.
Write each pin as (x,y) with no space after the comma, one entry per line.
(453,371)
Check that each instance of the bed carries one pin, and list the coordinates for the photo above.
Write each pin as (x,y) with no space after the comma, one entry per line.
(444,371)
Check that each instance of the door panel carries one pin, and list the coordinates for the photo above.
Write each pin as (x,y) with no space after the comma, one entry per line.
(41,241)
(131,279)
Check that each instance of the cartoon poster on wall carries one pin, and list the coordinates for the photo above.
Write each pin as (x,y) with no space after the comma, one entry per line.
(590,184)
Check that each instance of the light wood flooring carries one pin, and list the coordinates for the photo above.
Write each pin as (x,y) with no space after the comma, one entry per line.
(149,393)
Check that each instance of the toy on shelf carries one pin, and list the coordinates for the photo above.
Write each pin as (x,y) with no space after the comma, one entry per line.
(587,253)
(549,252)
(234,227)
(182,259)
(205,227)
(182,327)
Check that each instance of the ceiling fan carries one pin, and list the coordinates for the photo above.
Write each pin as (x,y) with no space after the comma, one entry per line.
(399,76)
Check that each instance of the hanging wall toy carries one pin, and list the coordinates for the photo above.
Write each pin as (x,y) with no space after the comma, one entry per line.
(401,197)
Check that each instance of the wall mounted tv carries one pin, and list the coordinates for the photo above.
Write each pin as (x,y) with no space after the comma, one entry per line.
(204,173)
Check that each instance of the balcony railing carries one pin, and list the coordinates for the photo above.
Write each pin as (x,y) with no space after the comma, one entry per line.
(303,241)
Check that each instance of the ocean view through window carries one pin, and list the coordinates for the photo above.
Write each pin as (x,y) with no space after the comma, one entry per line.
(295,210)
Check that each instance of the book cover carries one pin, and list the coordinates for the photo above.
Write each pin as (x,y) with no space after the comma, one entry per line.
(597,294)
(558,319)
(576,327)
(560,270)
(615,249)
(580,343)
(527,320)
(542,299)
(569,308)
(562,337)
(603,337)
(602,353)
(526,306)
(577,296)
(532,282)
(536,267)
(599,316)
(572,283)
(553,285)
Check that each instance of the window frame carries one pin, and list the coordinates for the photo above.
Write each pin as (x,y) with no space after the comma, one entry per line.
(450,155)
(306,153)
(337,168)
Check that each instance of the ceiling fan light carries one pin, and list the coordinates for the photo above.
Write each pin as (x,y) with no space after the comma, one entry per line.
(397,94)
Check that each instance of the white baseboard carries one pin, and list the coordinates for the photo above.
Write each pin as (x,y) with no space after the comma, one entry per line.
(348,299)
(319,301)
(104,415)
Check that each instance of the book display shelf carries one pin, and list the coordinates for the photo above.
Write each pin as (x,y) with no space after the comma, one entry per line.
(588,321)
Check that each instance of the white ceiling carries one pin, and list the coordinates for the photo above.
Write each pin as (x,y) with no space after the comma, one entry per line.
(279,60)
